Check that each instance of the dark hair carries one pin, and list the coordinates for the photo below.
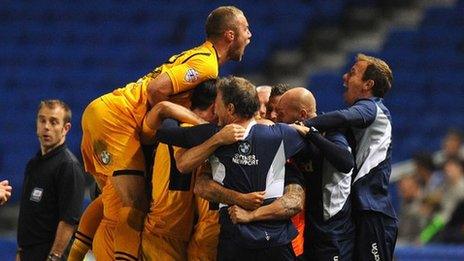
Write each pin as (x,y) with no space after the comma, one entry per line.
(279,89)
(204,95)
(378,71)
(221,19)
(53,103)
(241,93)
(454,159)
(454,132)
(425,160)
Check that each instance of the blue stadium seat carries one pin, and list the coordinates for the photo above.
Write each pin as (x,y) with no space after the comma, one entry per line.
(327,89)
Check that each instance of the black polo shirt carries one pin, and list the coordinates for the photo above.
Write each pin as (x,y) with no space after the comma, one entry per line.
(53,191)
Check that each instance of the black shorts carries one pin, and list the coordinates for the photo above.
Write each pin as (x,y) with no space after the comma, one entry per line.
(375,236)
(340,250)
(228,250)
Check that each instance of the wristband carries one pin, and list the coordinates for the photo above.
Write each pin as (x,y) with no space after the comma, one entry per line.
(53,257)
(311,130)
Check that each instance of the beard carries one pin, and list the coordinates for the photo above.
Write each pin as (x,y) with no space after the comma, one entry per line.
(235,53)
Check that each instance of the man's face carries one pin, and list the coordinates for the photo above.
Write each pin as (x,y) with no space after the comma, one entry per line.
(451,145)
(271,108)
(354,83)
(408,188)
(241,40)
(210,115)
(286,112)
(263,97)
(51,129)
(220,110)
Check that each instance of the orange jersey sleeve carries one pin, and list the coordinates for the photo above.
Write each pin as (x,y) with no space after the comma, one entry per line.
(194,69)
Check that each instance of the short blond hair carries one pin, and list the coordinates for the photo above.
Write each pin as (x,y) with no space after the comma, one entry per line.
(221,19)
(378,71)
(54,103)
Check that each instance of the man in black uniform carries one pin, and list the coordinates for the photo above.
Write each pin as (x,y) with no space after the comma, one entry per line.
(53,189)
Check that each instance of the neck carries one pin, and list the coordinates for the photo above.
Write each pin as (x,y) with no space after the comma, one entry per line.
(242,122)
(46,150)
(362,96)
(221,49)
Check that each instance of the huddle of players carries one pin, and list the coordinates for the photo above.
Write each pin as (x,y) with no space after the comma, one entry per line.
(254,214)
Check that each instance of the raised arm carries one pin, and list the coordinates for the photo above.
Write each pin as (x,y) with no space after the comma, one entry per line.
(173,79)
(360,115)
(188,160)
(159,89)
(163,110)
(212,191)
(171,133)
(166,109)
(334,147)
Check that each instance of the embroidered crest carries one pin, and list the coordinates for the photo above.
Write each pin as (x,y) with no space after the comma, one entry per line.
(100,149)
(105,157)
(191,75)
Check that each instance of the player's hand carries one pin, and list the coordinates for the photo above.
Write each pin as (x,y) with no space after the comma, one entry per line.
(5,191)
(303,130)
(240,215)
(231,133)
(253,200)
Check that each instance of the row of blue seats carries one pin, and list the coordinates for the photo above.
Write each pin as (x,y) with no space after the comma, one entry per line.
(425,40)
(144,12)
(61,51)
(105,7)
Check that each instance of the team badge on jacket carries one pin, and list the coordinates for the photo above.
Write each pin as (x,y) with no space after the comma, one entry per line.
(244,148)
(36,194)
(191,75)
(105,157)
(243,156)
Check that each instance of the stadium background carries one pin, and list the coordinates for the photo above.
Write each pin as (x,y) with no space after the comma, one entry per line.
(77,51)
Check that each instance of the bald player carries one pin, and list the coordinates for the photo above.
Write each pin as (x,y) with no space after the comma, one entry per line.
(329,229)
(264,92)
(296,104)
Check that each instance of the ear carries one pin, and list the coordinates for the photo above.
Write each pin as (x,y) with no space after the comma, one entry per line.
(230,108)
(211,108)
(368,85)
(229,35)
(303,114)
(66,128)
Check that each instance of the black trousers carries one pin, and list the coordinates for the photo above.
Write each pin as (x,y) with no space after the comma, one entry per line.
(35,252)
(375,236)
(228,250)
(319,250)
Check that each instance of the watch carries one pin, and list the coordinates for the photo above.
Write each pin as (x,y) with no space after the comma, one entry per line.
(53,257)
(312,129)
